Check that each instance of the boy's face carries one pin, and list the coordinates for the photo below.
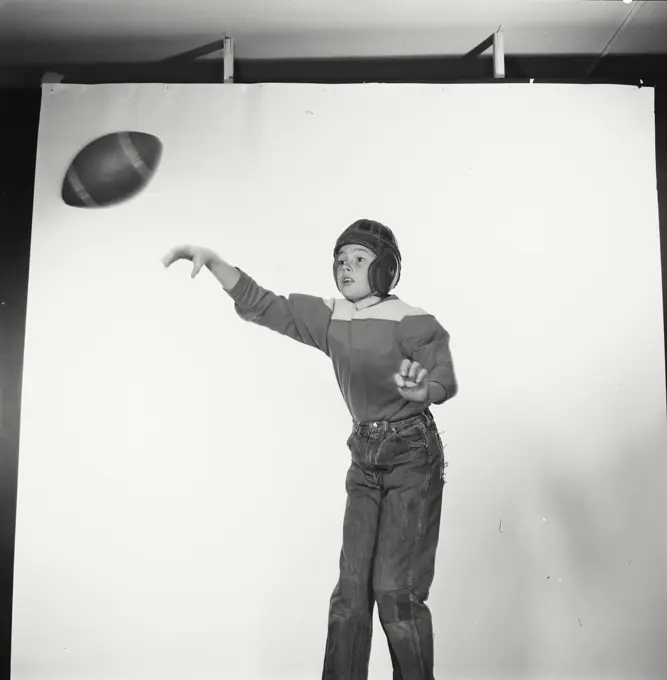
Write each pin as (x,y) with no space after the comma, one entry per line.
(353,262)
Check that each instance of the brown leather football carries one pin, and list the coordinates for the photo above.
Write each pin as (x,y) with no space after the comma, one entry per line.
(111,169)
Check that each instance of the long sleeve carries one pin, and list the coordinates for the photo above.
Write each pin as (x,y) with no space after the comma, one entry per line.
(423,339)
(304,318)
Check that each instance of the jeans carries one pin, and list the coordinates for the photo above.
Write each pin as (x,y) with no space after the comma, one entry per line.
(390,536)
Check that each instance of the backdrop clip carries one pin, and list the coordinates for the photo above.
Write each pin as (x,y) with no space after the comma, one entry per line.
(499,53)
(228,60)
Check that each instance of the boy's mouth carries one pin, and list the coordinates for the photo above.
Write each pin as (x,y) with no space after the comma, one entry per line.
(347,281)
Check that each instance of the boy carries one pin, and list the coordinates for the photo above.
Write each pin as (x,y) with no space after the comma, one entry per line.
(397,472)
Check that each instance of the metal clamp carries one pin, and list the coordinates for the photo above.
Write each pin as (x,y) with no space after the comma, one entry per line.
(499,53)
(497,41)
(228,60)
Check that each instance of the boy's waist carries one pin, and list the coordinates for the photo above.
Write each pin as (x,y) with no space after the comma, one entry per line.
(426,417)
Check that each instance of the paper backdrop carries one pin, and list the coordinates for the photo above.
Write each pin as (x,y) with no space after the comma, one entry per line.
(181,482)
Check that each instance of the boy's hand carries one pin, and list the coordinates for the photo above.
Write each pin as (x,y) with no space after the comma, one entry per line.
(412,383)
(197,255)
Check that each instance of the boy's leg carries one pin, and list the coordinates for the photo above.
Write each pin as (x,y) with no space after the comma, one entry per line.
(351,608)
(405,556)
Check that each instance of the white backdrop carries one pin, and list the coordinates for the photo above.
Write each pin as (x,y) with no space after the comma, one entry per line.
(181,482)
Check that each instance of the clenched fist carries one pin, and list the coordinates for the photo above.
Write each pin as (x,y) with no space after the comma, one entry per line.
(412,382)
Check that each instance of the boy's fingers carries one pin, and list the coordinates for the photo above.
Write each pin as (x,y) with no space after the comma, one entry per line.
(170,257)
(198,263)
(409,376)
(405,382)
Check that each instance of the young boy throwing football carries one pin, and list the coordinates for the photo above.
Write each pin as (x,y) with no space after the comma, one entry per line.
(392,361)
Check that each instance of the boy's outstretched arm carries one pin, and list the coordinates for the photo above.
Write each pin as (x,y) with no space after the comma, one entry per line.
(304,318)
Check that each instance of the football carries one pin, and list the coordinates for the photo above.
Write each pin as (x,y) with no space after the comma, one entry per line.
(111,169)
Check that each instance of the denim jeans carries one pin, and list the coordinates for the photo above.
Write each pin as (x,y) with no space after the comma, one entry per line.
(390,536)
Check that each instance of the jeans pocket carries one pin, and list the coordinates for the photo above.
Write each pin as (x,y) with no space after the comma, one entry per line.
(411,437)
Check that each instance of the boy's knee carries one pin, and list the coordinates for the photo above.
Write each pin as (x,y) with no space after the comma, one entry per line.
(394,605)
